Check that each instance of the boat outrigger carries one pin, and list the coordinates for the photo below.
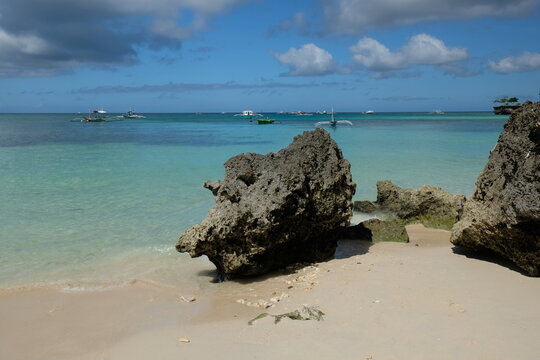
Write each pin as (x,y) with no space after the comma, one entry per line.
(333,122)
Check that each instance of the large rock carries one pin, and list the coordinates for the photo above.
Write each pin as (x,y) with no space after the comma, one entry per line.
(503,215)
(276,209)
(430,205)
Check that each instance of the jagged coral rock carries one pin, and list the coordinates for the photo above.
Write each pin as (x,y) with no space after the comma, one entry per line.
(276,209)
(503,215)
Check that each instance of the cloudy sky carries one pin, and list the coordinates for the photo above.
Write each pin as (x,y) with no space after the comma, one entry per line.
(230,55)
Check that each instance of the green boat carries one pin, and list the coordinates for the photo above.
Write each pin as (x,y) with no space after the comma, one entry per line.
(266,121)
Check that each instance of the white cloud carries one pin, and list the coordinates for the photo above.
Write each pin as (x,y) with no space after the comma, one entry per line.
(309,60)
(422,49)
(356,16)
(526,62)
(373,55)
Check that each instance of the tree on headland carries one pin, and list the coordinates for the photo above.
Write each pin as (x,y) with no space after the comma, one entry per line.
(507,100)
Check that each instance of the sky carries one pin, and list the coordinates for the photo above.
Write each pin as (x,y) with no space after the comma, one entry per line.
(298,55)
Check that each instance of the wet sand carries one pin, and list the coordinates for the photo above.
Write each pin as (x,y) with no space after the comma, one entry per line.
(382,301)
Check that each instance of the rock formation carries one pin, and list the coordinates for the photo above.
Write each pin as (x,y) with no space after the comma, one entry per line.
(504,213)
(430,205)
(364,206)
(377,230)
(276,209)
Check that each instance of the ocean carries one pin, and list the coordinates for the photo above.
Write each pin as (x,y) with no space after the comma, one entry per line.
(91,205)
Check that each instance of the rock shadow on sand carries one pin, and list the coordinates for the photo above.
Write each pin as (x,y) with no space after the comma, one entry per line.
(346,248)
(488,256)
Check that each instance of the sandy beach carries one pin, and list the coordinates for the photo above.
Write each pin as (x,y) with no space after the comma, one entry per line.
(381,301)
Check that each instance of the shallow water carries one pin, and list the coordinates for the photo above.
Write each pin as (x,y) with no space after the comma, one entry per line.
(106,202)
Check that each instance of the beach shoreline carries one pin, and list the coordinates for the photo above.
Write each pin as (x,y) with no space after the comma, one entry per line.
(381,301)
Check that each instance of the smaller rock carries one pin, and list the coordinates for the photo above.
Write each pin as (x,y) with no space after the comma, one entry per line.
(377,230)
(430,205)
(365,206)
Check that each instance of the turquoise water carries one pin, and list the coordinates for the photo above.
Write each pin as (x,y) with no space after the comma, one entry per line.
(106,202)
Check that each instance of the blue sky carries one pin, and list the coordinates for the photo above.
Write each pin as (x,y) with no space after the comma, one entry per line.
(230,55)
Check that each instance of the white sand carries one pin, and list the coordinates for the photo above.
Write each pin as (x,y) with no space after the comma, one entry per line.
(385,301)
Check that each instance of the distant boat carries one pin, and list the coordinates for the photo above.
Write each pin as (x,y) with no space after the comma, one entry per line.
(333,122)
(100,111)
(370,112)
(438,112)
(132,115)
(95,116)
(301,113)
(248,114)
(267,121)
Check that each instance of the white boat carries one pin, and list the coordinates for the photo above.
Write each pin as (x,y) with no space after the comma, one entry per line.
(370,112)
(100,111)
(438,112)
(333,122)
(248,114)
(132,115)
(301,113)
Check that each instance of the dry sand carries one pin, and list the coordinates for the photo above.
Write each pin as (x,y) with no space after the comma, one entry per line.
(383,301)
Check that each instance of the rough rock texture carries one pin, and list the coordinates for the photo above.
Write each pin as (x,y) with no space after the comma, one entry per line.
(377,230)
(503,215)
(276,209)
(429,204)
(364,206)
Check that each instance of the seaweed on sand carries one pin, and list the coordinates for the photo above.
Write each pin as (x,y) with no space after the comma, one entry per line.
(304,313)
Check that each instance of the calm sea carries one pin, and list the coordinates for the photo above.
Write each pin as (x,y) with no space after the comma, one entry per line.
(102,203)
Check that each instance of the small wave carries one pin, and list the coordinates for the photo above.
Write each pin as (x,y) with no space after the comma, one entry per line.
(93,287)
(359,217)
(163,249)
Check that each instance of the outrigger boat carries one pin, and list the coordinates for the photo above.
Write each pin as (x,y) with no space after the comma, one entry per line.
(132,115)
(267,121)
(247,114)
(333,122)
(95,116)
